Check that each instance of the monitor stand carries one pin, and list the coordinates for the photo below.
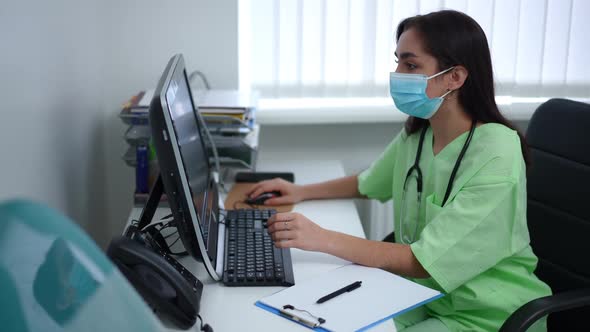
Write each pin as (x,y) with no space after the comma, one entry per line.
(147,214)
(144,228)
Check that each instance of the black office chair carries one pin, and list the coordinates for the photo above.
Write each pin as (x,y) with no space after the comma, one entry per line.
(559,215)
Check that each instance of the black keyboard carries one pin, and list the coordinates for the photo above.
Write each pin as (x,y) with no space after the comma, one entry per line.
(251,259)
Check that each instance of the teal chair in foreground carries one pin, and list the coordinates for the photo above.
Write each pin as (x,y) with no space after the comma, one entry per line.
(53,277)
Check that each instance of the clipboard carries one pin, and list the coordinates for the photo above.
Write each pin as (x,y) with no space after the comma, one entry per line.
(382,296)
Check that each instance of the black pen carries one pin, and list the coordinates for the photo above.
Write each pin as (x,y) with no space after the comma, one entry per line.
(342,290)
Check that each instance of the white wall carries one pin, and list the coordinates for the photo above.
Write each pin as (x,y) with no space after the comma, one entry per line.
(51,113)
(67,66)
(141,37)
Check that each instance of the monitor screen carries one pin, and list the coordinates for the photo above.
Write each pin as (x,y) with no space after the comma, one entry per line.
(192,150)
(177,133)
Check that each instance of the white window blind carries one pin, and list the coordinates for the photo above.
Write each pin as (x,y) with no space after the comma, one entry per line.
(344,48)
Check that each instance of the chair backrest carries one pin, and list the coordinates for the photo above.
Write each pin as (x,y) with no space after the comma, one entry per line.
(558,185)
(53,277)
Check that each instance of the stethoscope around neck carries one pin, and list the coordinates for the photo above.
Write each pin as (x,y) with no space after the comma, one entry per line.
(406,238)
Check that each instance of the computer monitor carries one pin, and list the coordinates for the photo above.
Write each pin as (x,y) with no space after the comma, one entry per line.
(178,134)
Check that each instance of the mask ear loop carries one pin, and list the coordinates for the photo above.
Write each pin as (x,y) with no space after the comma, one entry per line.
(442,72)
(438,74)
(446,93)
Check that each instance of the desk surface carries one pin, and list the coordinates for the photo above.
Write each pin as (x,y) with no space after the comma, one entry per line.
(232,308)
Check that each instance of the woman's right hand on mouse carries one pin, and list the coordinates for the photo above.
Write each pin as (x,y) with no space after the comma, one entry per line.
(290,192)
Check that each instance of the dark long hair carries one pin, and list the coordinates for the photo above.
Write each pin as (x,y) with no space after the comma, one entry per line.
(454,38)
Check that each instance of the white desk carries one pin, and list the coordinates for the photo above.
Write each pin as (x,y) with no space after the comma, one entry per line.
(232,308)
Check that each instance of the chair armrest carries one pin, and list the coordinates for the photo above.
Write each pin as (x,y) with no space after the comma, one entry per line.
(529,313)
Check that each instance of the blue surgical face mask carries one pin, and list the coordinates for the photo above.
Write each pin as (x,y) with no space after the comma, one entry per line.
(409,94)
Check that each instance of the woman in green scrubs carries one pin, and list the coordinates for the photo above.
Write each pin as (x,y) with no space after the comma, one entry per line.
(457,178)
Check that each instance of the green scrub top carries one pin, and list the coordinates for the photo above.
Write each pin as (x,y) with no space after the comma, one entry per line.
(476,247)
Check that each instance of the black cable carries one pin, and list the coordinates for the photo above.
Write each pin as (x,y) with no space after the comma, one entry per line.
(169,235)
(181,253)
(132,229)
(150,226)
(208,132)
(201,76)
(207,327)
(173,243)
(163,226)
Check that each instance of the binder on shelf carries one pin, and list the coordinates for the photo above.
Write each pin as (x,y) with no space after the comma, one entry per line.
(139,103)
(381,296)
(222,106)
(142,170)
(134,118)
(143,104)
(133,112)
(223,122)
(225,101)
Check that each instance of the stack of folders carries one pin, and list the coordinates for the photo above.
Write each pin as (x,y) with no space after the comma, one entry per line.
(352,297)
(240,105)
(228,114)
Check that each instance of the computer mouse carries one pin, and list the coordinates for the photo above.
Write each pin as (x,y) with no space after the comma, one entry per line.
(260,199)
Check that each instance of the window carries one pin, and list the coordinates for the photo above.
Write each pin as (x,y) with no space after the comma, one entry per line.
(344,48)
